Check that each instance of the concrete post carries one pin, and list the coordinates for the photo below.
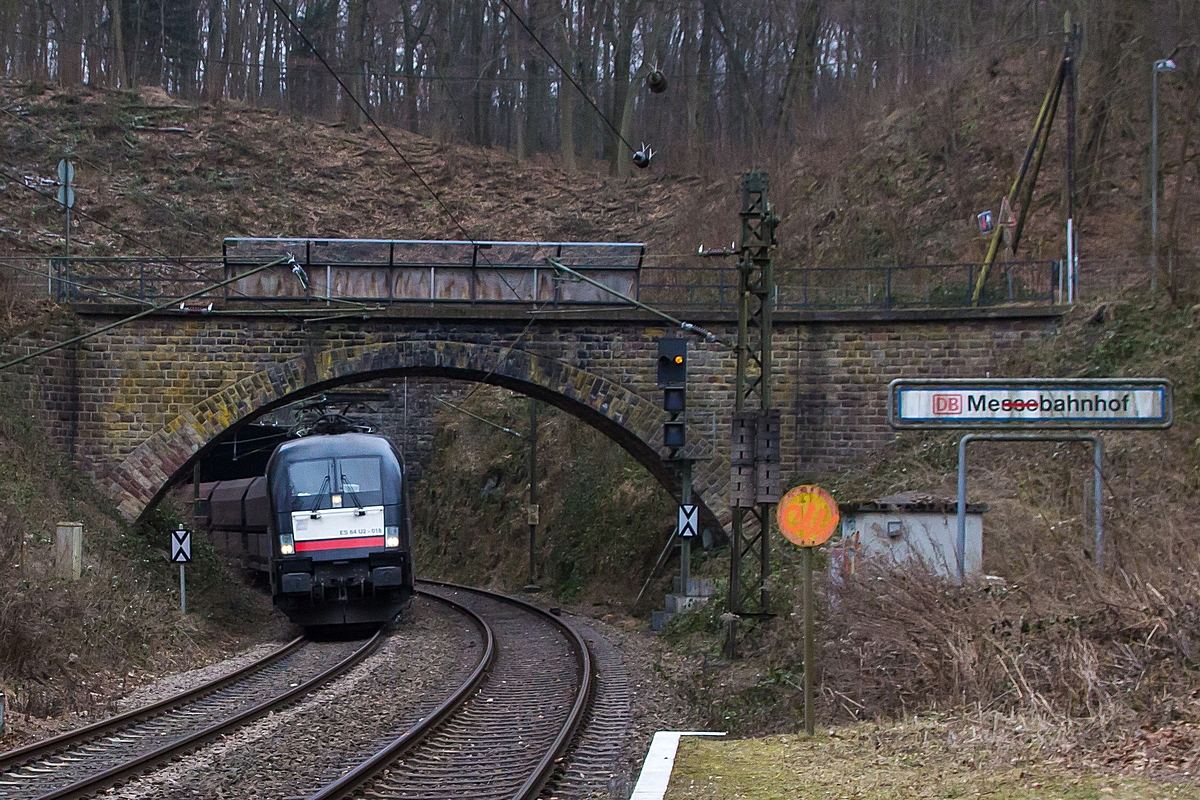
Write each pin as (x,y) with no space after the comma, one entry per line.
(68,550)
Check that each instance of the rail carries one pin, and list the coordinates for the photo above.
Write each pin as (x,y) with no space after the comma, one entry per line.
(77,771)
(452,735)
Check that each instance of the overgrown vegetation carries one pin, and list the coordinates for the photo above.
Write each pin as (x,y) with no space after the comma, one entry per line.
(73,646)
(1090,654)
(603,518)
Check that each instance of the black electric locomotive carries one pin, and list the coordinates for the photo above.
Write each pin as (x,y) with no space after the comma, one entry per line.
(339,530)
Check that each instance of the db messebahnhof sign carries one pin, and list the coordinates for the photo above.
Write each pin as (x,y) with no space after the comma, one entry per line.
(1053,403)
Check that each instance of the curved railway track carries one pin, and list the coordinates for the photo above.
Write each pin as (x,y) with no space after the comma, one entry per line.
(503,732)
(82,762)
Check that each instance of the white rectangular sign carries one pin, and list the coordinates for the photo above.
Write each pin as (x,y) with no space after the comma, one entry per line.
(181,546)
(338,523)
(689,520)
(1030,403)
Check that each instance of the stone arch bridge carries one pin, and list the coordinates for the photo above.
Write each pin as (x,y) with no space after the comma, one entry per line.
(137,405)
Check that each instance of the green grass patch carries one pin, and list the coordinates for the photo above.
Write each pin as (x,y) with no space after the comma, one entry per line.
(925,760)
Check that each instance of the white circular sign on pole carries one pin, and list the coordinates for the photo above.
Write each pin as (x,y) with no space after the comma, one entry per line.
(66,171)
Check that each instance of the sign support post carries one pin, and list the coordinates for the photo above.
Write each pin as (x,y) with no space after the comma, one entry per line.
(809,636)
(1055,406)
(688,525)
(181,554)
(807,517)
(1097,479)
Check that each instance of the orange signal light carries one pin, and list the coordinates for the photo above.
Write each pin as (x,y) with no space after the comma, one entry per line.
(678,359)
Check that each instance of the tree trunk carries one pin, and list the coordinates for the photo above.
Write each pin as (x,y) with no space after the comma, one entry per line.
(118,24)
(537,86)
(356,63)
(566,101)
(271,90)
(213,82)
(702,123)
(621,33)
(802,65)
(70,56)
(589,121)
(232,69)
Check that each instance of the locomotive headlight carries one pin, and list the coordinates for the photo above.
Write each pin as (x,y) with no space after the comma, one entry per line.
(287,544)
(336,500)
(391,537)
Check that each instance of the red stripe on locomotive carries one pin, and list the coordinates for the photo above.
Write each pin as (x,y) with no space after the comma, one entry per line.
(339,544)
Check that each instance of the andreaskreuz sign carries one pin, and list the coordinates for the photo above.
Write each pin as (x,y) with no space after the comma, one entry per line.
(1051,403)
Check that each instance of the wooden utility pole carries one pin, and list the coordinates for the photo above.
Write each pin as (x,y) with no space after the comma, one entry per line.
(1064,77)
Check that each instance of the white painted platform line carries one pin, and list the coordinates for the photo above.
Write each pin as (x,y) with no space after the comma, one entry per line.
(660,760)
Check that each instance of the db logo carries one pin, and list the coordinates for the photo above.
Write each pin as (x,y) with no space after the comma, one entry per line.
(946,404)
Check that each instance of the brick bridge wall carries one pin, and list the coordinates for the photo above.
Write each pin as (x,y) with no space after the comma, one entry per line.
(135,406)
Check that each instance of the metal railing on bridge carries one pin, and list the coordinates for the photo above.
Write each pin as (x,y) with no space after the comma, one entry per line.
(408,271)
(859,288)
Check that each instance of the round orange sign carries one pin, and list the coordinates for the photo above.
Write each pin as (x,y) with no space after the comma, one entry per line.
(807,516)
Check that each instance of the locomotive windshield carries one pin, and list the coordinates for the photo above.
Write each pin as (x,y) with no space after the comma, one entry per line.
(335,483)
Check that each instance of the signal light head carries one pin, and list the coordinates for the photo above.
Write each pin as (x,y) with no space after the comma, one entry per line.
(672,362)
(674,435)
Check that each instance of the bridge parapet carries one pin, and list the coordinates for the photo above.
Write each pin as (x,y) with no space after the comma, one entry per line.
(135,405)
(500,274)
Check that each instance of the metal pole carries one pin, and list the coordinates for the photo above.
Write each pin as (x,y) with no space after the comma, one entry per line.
(685,546)
(531,586)
(960,554)
(1070,260)
(809,657)
(1097,465)
(196,491)
(182,591)
(1072,245)
(1097,462)
(1154,177)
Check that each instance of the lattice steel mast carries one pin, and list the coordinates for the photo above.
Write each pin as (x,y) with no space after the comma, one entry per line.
(754,455)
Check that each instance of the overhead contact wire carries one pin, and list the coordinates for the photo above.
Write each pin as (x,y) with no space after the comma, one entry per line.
(411,167)
(566,75)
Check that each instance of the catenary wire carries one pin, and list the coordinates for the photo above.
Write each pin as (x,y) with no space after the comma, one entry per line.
(568,76)
(411,167)
(19,181)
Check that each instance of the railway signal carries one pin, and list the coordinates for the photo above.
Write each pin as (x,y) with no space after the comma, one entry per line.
(672,379)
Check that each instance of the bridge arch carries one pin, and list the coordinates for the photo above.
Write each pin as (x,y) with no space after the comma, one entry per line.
(632,421)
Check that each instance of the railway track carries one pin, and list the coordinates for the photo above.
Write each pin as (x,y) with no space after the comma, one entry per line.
(82,762)
(504,731)
(501,733)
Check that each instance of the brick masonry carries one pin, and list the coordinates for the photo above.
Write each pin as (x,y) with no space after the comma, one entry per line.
(134,407)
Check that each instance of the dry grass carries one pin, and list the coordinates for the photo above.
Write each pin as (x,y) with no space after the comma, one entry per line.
(1100,663)
(927,758)
(72,647)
